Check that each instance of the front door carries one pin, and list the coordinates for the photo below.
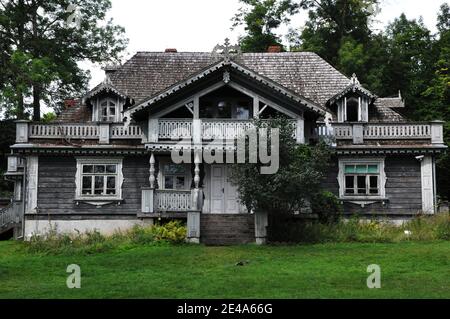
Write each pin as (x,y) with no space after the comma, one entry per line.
(224,196)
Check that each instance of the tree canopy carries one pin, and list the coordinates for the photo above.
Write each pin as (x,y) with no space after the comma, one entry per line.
(405,56)
(42,43)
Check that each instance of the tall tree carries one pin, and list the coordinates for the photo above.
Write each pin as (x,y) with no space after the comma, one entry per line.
(261,18)
(44,41)
(334,24)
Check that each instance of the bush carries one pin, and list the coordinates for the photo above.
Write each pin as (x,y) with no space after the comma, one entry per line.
(296,230)
(91,242)
(327,207)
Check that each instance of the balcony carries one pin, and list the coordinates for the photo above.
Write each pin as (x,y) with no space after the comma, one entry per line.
(102,132)
(204,130)
(357,133)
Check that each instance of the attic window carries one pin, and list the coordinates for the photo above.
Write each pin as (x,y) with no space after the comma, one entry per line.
(108,110)
(352,110)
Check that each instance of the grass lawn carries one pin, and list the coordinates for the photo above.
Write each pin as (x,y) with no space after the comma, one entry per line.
(408,270)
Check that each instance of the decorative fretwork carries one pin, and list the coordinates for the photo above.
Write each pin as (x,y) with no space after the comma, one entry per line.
(172,201)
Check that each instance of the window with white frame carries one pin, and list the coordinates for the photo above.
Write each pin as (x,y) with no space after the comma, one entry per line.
(99,178)
(362,178)
(175,176)
(108,110)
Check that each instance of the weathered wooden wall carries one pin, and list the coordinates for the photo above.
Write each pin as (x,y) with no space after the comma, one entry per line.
(403,188)
(56,192)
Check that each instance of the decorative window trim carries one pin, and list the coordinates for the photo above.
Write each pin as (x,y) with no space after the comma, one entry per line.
(363,199)
(97,109)
(363,109)
(161,176)
(98,200)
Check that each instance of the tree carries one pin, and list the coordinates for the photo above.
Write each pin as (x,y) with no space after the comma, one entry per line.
(43,42)
(261,18)
(298,179)
(333,24)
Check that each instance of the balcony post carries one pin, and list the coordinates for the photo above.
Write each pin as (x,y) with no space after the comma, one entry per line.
(358,133)
(22,127)
(104,133)
(148,193)
(437,132)
(153,130)
(300,130)
(197,131)
(193,217)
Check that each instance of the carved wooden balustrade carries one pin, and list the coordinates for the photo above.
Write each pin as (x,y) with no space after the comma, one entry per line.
(358,132)
(173,201)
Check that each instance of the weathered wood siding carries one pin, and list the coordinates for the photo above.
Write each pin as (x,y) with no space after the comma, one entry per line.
(56,188)
(403,188)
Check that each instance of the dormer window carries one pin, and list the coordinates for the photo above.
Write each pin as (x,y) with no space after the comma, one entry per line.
(108,110)
(353,102)
(353,110)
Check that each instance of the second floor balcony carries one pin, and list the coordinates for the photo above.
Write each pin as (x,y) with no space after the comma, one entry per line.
(204,130)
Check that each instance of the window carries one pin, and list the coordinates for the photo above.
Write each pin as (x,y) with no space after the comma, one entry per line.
(175,176)
(352,109)
(108,110)
(98,178)
(362,178)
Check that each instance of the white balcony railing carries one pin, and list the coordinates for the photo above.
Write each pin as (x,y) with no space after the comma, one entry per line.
(173,201)
(93,131)
(359,132)
(174,129)
(120,131)
(74,131)
(224,129)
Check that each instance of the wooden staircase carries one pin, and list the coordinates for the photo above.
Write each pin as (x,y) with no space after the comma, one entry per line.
(10,217)
(227,229)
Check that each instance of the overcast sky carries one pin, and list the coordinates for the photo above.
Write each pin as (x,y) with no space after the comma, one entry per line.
(198,25)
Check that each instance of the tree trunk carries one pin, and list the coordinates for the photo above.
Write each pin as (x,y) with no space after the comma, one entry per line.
(20,106)
(36,103)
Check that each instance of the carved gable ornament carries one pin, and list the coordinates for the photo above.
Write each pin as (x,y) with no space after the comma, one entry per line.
(226,51)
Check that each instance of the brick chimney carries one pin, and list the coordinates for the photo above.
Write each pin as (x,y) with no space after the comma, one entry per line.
(70,103)
(274,49)
(171,50)
(111,68)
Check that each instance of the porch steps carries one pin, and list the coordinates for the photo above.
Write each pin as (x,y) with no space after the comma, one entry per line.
(227,229)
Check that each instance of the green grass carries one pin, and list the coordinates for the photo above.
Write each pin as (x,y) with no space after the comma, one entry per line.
(408,270)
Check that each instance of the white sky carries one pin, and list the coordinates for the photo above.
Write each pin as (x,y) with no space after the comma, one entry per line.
(198,25)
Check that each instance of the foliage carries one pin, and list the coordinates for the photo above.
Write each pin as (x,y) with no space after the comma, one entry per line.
(49,117)
(261,18)
(301,170)
(327,206)
(42,44)
(91,242)
(405,57)
(8,136)
(422,228)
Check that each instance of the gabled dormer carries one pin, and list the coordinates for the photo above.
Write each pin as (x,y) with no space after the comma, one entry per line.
(107,102)
(352,103)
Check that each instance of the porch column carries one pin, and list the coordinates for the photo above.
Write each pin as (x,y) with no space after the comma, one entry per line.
(149,192)
(427,176)
(193,217)
(261,223)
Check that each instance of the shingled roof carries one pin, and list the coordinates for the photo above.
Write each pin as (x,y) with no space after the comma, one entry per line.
(305,73)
